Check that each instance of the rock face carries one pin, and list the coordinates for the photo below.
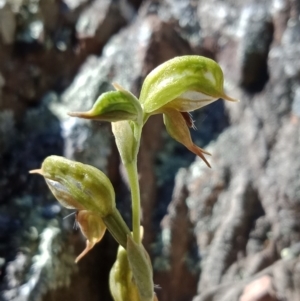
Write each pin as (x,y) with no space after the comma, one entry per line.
(227,233)
(246,208)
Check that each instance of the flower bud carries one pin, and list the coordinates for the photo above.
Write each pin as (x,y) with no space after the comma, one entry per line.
(113,106)
(184,83)
(121,282)
(123,286)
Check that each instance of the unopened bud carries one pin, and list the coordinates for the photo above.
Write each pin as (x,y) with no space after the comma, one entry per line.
(121,282)
(113,106)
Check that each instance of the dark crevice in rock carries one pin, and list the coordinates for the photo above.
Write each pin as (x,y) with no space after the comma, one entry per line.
(258,37)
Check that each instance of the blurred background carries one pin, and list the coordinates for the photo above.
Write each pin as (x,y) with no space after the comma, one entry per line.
(227,233)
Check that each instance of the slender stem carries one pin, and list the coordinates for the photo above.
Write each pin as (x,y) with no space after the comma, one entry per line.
(135,196)
(117,227)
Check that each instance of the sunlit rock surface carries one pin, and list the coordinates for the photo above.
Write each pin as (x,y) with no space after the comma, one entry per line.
(227,233)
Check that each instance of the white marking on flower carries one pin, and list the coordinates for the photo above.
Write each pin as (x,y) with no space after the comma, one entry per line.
(208,75)
(174,78)
(196,96)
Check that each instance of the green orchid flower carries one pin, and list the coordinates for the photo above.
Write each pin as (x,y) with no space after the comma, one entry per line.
(89,191)
(174,89)
(179,86)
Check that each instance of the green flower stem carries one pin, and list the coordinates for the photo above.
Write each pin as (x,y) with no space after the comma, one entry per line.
(117,227)
(136,200)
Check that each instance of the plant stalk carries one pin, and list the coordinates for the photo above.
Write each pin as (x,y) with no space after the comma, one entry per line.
(117,227)
(135,196)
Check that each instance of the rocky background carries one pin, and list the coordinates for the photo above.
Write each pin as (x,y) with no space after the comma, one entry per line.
(222,234)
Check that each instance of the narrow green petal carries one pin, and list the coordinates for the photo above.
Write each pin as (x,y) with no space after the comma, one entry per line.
(177,127)
(92,227)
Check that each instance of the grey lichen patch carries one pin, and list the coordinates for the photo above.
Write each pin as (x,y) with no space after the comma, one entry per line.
(87,142)
(51,267)
(84,141)
(89,83)
(45,260)
(296,102)
(161,264)
(161,249)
